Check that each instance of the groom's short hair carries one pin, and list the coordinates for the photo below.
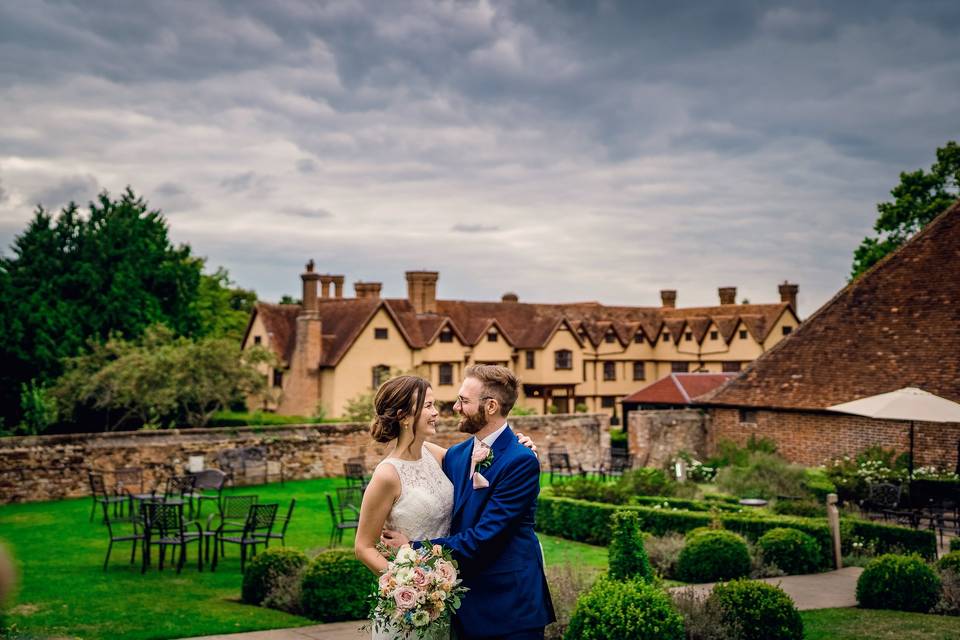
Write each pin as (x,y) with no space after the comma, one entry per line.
(498,382)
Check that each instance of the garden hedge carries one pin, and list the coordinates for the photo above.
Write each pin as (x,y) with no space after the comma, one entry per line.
(590,522)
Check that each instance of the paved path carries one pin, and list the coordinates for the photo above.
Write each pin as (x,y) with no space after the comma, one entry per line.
(815,591)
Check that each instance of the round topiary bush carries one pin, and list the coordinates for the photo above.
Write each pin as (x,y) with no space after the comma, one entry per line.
(693,533)
(902,583)
(628,609)
(792,550)
(753,609)
(627,556)
(714,555)
(950,562)
(801,508)
(268,571)
(335,587)
(955,544)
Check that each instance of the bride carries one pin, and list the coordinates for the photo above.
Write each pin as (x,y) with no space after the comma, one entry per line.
(409,491)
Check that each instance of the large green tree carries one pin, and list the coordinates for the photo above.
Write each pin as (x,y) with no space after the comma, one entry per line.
(79,277)
(917,200)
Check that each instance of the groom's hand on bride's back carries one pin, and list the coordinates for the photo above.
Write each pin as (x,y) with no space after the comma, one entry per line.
(393,539)
(526,441)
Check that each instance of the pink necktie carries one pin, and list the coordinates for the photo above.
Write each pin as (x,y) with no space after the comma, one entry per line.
(479,454)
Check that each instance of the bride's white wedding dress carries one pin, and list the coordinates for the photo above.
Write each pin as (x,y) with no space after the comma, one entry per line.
(422,512)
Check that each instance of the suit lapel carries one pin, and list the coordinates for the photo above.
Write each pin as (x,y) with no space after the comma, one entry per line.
(460,469)
(499,448)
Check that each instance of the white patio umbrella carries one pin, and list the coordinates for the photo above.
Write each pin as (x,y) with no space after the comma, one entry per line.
(909,404)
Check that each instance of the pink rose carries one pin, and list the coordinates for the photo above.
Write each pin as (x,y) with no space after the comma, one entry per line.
(445,572)
(405,597)
(420,577)
(437,550)
(385,580)
(480,453)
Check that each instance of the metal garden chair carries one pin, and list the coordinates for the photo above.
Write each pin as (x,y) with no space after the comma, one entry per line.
(283,530)
(164,526)
(339,524)
(119,535)
(256,530)
(98,491)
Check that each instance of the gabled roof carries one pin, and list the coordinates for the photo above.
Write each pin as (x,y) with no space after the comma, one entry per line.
(280,322)
(679,388)
(523,325)
(897,325)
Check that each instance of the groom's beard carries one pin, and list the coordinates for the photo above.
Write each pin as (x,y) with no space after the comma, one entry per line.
(474,423)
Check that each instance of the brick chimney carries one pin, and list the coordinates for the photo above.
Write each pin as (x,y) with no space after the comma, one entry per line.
(728,295)
(510,297)
(325,281)
(668,298)
(422,290)
(309,297)
(788,294)
(337,286)
(367,289)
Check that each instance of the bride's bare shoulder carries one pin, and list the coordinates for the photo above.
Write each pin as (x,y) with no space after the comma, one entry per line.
(436,450)
(385,478)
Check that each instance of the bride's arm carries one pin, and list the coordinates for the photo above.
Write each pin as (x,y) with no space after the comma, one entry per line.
(378,499)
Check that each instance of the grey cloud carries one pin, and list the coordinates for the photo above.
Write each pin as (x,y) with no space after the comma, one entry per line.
(169,189)
(475,228)
(78,188)
(4,196)
(306,166)
(239,181)
(307,212)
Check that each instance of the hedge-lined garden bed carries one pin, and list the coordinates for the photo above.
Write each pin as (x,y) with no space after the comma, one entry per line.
(589,522)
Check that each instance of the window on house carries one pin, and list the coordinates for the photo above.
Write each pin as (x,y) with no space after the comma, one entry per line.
(277,378)
(666,337)
(492,336)
(609,338)
(688,336)
(609,370)
(530,359)
(380,333)
(748,416)
(446,374)
(787,331)
(714,335)
(638,337)
(639,371)
(563,359)
(608,402)
(446,335)
(730,367)
(380,374)
(743,334)
(679,367)
(257,340)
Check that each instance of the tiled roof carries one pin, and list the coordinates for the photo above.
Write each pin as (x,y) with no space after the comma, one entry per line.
(898,325)
(679,388)
(523,325)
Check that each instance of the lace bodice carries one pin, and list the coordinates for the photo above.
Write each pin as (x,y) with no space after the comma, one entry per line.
(425,506)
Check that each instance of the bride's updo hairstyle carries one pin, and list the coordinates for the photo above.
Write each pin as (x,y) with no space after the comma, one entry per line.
(397,399)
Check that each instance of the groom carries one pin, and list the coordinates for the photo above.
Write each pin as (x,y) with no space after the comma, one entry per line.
(495,482)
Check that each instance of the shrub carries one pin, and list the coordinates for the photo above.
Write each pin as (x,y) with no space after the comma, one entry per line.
(335,587)
(270,571)
(628,558)
(955,544)
(757,610)
(730,453)
(791,550)
(799,508)
(818,484)
(567,580)
(702,618)
(765,475)
(713,555)
(593,490)
(693,533)
(663,552)
(950,562)
(949,604)
(629,609)
(646,481)
(902,583)
(760,567)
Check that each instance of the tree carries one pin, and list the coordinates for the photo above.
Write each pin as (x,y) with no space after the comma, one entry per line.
(917,200)
(222,310)
(75,278)
(160,380)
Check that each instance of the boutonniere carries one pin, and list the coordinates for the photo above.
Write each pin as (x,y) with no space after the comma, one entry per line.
(486,462)
(482,457)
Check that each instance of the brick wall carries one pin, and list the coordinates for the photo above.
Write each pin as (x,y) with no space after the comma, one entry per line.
(814,438)
(655,437)
(53,467)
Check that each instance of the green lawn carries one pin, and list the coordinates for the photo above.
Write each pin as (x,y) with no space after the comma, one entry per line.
(866,624)
(65,593)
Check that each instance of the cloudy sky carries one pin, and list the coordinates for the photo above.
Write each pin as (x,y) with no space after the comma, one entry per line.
(563,150)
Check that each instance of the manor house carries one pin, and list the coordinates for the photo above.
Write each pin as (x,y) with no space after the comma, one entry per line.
(571,357)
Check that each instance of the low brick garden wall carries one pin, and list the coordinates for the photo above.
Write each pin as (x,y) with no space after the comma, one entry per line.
(53,467)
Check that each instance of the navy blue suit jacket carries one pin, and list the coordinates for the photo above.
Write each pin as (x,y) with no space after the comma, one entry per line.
(492,539)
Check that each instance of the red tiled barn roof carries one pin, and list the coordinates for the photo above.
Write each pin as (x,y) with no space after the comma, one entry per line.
(679,388)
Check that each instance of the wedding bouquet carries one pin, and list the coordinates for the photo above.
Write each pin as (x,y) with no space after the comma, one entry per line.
(418,592)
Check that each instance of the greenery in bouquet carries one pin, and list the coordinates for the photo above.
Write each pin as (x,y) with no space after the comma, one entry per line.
(418,592)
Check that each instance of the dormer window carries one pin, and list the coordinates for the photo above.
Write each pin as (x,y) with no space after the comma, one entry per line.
(787,331)
(743,334)
(563,359)
(446,335)
(380,333)
(666,337)
(492,336)
(257,340)
(688,336)
(609,338)
(638,337)
(713,335)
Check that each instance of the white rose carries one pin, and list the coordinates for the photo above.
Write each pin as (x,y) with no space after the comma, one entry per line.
(406,555)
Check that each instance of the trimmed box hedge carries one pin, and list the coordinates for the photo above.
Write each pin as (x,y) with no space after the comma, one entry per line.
(590,522)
